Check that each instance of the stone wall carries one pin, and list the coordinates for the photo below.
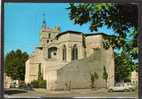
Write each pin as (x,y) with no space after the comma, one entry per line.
(69,40)
(7,81)
(32,66)
(77,73)
(94,41)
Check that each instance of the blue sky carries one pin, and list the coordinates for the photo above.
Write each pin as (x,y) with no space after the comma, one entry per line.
(22,23)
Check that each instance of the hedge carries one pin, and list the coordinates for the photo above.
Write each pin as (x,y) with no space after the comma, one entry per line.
(38,84)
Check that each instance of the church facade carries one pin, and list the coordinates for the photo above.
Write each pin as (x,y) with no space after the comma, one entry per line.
(67,59)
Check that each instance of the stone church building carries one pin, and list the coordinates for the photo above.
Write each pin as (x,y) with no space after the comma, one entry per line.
(67,59)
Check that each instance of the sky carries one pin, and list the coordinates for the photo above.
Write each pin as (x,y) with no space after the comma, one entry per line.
(22,24)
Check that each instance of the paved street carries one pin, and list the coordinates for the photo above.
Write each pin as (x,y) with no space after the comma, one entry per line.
(74,93)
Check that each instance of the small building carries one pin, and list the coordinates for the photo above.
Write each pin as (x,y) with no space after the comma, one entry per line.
(134,77)
(68,58)
(7,81)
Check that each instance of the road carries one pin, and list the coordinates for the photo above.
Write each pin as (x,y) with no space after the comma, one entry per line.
(37,93)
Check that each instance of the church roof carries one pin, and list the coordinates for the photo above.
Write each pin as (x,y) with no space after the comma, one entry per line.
(80,33)
(72,32)
(103,34)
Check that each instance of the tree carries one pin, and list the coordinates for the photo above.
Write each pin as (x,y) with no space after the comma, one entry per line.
(15,64)
(94,76)
(112,15)
(105,75)
(123,66)
(120,18)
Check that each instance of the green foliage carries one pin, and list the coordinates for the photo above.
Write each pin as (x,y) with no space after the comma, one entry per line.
(123,66)
(39,83)
(112,15)
(131,45)
(35,84)
(94,76)
(123,19)
(105,75)
(15,64)
(106,44)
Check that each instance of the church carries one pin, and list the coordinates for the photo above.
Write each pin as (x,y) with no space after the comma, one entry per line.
(67,59)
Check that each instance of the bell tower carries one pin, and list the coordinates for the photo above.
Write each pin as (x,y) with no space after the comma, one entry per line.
(45,33)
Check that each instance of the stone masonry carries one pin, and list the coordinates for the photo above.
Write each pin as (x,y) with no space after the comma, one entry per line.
(67,59)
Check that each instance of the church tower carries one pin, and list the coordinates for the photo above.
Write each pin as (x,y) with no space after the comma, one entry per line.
(47,35)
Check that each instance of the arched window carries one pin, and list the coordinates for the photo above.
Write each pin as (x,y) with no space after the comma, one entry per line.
(74,52)
(64,52)
(52,52)
(47,41)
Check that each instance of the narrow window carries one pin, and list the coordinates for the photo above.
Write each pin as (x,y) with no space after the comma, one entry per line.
(74,52)
(49,35)
(40,75)
(64,53)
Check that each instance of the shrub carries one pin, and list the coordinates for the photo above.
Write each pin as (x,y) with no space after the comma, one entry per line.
(42,83)
(93,76)
(34,83)
(39,83)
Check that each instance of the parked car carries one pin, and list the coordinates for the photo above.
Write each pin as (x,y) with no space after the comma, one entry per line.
(131,86)
(122,87)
